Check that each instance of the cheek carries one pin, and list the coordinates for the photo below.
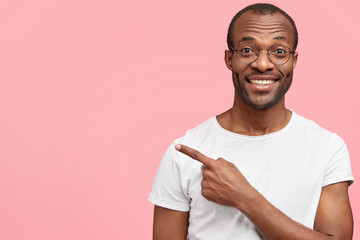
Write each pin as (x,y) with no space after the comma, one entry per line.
(240,70)
(286,70)
(237,78)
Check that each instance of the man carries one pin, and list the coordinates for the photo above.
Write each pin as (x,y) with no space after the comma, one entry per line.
(259,171)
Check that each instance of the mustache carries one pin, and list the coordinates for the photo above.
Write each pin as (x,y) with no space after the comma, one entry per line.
(263,74)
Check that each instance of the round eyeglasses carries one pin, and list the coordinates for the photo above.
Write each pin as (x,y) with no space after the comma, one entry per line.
(248,53)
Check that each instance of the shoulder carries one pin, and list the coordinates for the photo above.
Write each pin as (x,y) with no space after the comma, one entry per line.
(316,134)
(197,134)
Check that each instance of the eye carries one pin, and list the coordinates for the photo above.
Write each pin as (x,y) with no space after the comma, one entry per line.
(246,50)
(279,51)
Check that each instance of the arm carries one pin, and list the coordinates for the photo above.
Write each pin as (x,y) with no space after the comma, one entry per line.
(169,224)
(333,218)
(334,215)
(224,184)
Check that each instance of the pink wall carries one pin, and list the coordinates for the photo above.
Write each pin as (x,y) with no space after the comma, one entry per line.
(93,92)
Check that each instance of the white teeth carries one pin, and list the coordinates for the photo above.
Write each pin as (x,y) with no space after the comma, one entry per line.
(262,82)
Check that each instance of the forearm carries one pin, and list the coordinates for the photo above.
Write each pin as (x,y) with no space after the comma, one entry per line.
(273,224)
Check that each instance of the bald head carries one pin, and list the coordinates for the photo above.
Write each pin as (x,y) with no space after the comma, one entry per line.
(261,9)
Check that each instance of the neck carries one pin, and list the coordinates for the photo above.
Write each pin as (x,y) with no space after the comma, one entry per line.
(246,120)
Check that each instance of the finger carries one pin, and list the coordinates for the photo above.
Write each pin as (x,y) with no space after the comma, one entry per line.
(205,171)
(194,154)
(203,184)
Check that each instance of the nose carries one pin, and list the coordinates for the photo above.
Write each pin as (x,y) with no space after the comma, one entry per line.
(263,63)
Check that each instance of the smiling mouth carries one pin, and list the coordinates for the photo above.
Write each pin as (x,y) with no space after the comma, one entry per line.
(261,82)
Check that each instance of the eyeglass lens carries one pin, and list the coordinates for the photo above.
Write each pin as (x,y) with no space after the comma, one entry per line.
(248,53)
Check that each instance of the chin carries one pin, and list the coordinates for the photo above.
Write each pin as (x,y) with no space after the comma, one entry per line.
(261,106)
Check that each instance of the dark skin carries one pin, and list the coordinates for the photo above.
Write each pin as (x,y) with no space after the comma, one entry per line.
(222,182)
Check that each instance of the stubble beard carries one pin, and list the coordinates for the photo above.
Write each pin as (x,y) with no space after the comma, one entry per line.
(267,103)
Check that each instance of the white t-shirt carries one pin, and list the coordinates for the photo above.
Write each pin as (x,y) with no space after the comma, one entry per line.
(288,167)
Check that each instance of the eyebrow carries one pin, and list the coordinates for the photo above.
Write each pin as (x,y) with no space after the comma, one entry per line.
(279,38)
(247,39)
(253,39)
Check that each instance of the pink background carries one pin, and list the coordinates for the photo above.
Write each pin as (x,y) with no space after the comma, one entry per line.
(93,92)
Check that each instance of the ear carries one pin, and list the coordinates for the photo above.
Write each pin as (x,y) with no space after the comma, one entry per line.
(295,57)
(228,59)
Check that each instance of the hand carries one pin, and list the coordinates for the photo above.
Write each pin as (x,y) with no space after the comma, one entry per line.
(222,182)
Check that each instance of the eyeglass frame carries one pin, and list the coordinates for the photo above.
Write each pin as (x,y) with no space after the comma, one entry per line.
(257,55)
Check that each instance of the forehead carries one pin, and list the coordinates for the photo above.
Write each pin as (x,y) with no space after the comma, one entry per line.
(251,26)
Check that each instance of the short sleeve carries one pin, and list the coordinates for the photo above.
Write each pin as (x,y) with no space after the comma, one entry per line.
(167,189)
(338,167)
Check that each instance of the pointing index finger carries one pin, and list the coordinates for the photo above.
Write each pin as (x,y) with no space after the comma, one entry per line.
(194,154)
